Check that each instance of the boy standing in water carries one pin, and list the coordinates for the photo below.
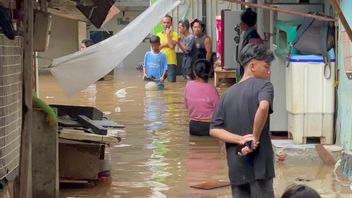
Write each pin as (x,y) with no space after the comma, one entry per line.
(155,66)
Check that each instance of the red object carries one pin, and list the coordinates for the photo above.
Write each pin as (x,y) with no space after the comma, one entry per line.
(222,36)
(282,157)
(220,42)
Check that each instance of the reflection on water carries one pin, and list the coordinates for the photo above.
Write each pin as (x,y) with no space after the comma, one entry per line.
(155,112)
(156,157)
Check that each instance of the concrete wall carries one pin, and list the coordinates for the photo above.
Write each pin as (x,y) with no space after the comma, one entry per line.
(63,40)
(45,157)
(344,115)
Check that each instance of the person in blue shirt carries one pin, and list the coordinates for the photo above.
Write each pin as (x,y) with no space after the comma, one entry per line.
(155,65)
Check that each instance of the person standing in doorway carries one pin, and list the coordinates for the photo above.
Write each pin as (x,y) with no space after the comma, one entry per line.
(248,26)
(202,42)
(244,109)
(168,40)
(186,44)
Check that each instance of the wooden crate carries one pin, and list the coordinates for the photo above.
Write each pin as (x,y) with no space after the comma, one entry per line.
(80,160)
(220,73)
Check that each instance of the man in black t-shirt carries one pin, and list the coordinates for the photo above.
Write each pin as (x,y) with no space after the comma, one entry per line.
(243,110)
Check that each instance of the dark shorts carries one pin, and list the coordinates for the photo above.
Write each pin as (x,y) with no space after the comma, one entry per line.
(256,189)
(199,128)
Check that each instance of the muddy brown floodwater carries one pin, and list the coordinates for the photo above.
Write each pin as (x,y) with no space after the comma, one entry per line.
(157,157)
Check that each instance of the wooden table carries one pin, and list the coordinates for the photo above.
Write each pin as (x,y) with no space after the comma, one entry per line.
(220,73)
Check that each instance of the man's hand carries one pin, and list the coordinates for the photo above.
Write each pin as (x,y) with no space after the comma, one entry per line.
(167,31)
(244,151)
(250,145)
(255,143)
(162,79)
(246,138)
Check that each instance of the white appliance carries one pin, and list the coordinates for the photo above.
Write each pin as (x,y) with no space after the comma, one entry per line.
(310,98)
(231,37)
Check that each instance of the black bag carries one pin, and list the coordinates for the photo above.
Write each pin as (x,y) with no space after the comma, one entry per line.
(316,37)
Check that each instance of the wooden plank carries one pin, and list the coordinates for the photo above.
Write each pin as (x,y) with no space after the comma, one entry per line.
(79,135)
(325,155)
(108,123)
(25,181)
(211,184)
(26,149)
(336,6)
(73,111)
(86,122)
(69,181)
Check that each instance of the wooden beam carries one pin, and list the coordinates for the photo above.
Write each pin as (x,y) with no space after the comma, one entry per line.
(72,134)
(337,8)
(276,9)
(327,158)
(26,149)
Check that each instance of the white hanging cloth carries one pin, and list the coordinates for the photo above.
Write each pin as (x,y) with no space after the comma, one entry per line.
(77,71)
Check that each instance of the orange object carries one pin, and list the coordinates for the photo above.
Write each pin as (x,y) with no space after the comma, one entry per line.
(282,157)
(211,184)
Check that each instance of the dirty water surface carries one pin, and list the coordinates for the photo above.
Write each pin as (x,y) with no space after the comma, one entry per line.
(157,157)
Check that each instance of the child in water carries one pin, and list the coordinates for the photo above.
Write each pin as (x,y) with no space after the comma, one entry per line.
(155,66)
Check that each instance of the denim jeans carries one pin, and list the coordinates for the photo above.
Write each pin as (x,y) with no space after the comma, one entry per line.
(186,66)
(171,73)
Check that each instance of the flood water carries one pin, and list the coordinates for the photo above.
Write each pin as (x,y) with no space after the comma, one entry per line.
(157,157)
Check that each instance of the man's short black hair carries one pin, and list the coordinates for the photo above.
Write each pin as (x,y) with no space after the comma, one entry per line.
(169,17)
(200,23)
(154,39)
(300,190)
(249,17)
(184,23)
(257,52)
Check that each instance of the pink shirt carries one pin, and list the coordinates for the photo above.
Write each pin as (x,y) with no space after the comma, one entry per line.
(200,99)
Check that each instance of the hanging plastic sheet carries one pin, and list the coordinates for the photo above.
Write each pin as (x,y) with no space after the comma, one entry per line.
(76,71)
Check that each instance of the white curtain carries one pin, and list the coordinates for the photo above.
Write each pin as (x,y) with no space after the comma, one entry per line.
(76,71)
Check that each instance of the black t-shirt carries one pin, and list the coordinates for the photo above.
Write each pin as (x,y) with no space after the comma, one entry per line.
(235,113)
